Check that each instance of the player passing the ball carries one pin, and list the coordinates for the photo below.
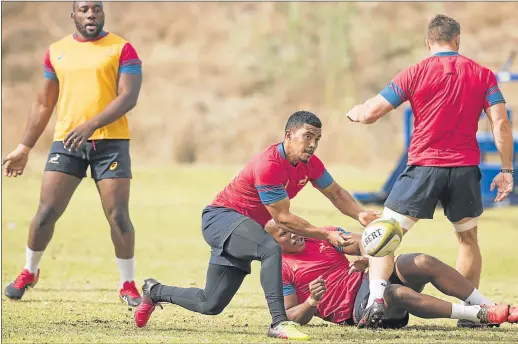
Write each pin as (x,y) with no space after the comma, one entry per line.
(447,92)
(93,78)
(319,280)
(233,225)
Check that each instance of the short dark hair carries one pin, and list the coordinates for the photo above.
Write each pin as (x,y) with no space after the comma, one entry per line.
(299,118)
(443,28)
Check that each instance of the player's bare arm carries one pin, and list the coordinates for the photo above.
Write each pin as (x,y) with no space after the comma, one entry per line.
(344,202)
(370,111)
(39,117)
(501,128)
(302,313)
(280,212)
(129,89)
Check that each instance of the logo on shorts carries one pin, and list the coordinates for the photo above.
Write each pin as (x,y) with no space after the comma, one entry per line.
(54,159)
(114,165)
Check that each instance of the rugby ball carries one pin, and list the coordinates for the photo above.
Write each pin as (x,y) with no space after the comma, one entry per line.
(382,237)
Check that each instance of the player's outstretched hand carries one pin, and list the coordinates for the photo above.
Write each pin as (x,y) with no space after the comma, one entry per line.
(504,185)
(366,217)
(360,264)
(78,136)
(317,288)
(14,163)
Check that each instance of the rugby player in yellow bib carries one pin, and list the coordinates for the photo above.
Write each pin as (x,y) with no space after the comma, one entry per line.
(93,78)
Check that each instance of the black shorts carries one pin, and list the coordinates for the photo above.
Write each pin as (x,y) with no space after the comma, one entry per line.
(107,159)
(362,297)
(419,188)
(218,223)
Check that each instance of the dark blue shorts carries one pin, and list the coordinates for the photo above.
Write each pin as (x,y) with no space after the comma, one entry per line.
(106,158)
(418,190)
(218,223)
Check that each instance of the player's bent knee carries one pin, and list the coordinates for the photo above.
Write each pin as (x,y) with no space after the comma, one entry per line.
(391,295)
(467,226)
(405,222)
(425,262)
(212,308)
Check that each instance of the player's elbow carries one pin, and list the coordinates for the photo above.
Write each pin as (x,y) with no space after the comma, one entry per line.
(130,100)
(501,124)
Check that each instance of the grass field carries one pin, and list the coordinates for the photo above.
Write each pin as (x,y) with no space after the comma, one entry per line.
(76,300)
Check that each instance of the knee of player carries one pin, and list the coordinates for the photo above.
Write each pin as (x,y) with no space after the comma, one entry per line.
(425,262)
(46,215)
(119,218)
(272,248)
(390,294)
(395,295)
(212,308)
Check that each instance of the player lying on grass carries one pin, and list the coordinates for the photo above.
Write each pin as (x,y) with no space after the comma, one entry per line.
(318,280)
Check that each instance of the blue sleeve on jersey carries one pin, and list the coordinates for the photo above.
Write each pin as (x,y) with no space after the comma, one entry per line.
(131,69)
(324,180)
(394,95)
(494,96)
(288,289)
(341,249)
(49,75)
(271,193)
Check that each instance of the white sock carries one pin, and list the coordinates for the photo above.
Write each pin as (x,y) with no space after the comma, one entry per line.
(126,269)
(32,260)
(377,288)
(465,312)
(476,298)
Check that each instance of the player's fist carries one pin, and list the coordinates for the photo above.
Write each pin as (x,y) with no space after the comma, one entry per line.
(504,184)
(354,114)
(14,163)
(360,264)
(317,288)
(366,217)
(339,239)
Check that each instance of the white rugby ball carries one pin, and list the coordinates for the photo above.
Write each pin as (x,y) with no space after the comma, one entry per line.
(382,237)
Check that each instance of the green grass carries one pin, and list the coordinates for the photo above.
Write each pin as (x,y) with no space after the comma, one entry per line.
(76,298)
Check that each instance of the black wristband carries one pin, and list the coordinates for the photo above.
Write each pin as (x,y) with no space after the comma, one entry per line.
(506,170)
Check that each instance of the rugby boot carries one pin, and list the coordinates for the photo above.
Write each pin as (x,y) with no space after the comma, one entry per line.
(25,279)
(147,306)
(287,330)
(493,315)
(373,316)
(129,294)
